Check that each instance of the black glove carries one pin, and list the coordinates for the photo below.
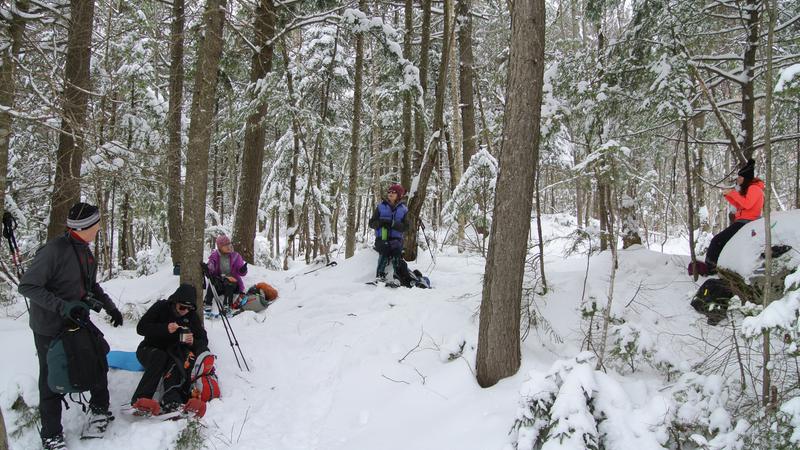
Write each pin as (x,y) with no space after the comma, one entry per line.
(243,269)
(75,310)
(116,317)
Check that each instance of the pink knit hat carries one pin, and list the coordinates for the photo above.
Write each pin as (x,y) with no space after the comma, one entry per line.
(223,240)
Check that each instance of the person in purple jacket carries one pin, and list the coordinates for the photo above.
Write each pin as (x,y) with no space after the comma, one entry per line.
(230,267)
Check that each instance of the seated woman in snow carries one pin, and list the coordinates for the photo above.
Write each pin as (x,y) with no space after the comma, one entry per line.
(173,335)
(230,267)
(748,199)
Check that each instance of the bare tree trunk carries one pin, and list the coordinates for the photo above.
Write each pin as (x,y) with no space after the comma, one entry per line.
(244,229)
(352,188)
(405,173)
(753,10)
(418,197)
(67,187)
(202,116)
(797,167)
(3,434)
(466,75)
(8,66)
(291,220)
(772,12)
(498,340)
(689,197)
(174,120)
(539,230)
(125,234)
(424,61)
(612,281)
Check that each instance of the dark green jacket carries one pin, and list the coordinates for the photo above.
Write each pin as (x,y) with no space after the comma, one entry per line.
(55,277)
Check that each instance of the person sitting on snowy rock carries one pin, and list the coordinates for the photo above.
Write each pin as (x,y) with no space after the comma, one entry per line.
(62,286)
(173,335)
(389,223)
(230,267)
(748,199)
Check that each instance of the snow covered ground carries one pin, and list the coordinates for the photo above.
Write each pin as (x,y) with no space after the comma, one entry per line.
(338,364)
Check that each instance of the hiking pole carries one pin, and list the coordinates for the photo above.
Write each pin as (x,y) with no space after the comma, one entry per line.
(228,331)
(422,224)
(9,225)
(225,321)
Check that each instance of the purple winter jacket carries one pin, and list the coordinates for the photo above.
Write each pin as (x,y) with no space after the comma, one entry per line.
(238,269)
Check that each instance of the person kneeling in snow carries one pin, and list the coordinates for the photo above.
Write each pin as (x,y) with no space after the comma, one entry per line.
(389,223)
(230,267)
(173,335)
(748,201)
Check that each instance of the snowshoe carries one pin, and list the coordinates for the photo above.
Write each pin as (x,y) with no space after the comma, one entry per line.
(96,424)
(195,408)
(146,407)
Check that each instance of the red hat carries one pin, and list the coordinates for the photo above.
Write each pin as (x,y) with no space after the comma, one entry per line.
(399,189)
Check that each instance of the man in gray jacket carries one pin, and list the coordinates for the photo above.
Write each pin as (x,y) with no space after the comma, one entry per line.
(61,284)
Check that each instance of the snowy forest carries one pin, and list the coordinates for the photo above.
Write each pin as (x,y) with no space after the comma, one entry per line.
(563,161)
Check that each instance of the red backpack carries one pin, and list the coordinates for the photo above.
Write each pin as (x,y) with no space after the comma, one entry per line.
(205,385)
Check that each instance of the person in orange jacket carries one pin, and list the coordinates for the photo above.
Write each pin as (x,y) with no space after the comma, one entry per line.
(748,199)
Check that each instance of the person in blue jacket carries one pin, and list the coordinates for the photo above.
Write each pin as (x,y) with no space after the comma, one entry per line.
(389,223)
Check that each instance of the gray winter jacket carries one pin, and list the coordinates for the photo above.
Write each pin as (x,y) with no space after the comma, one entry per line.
(55,277)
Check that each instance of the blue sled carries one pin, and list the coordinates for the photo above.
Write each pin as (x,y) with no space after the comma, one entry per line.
(124,361)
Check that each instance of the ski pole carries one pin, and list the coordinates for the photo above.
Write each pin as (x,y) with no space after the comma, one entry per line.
(430,249)
(225,323)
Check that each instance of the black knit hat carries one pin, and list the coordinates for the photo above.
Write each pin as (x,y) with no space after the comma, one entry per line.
(185,295)
(82,216)
(748,171)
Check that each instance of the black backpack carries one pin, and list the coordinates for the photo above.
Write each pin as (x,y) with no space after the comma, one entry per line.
(712,299)
(411,279)
(76,359)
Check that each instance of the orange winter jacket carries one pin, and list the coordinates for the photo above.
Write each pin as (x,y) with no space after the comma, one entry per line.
(748,207)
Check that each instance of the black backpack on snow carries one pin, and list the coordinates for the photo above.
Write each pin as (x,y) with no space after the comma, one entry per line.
(712,299)
(410,279)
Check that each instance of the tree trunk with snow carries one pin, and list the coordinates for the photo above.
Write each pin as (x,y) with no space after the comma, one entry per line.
(74,99)
(244,225)
(8,65)
(499,334)
(417,200)
(202,116)
(630,222)
(174,120)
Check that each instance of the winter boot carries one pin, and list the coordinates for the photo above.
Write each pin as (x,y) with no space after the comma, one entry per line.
(195,407)
(54,443)
(96,423)
(380,278)
(146,407)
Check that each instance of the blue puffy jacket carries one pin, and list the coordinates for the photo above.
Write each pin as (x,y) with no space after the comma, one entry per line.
(391,218)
